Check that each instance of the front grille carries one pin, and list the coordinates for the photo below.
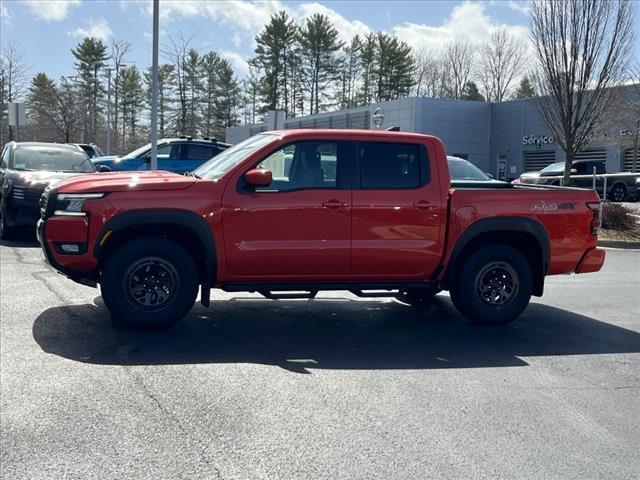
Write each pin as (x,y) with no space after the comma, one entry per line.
(27,192)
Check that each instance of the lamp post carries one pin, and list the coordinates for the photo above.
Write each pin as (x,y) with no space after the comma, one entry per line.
(109,111)
(154,87)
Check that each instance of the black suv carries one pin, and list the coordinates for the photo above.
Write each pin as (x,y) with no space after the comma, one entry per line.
(26,168)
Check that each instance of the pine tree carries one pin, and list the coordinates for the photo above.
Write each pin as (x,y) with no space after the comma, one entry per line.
(273,52)
(319,45)
(393,68)
(525,90)
(91,56)
(227,98)
(367,60)
(42,107)
(132,99)
(209,74)
(471,92)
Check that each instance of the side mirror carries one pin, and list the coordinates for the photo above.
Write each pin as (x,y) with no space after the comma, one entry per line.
(258,177)
(103,168)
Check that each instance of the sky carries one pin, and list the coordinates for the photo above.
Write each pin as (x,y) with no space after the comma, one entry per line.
(47,30)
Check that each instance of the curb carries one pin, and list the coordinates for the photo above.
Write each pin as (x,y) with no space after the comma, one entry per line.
(626,244)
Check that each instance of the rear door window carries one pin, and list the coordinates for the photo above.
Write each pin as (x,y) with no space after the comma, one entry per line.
(390,165)
(201,152)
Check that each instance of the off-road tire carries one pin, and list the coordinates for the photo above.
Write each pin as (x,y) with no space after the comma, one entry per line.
(172,276)
(486,273)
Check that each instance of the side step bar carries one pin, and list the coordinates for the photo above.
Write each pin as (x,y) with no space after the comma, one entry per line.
(284,291)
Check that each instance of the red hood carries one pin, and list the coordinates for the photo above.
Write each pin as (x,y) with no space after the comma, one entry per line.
(123,181)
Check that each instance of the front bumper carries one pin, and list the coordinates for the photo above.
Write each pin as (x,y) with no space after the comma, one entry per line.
(50,259)
(591,261)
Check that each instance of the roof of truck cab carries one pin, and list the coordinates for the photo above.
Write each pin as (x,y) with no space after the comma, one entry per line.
(329,132)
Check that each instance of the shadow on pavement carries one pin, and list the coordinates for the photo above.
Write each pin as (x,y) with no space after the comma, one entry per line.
(328,333)
(23,237)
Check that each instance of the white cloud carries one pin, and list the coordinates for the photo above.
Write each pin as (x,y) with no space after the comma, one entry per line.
(347,29)
(250,17)
(469,20)
(239,64)
(246,15)
(522,6)
(4,14)
(51,10)
(99,29)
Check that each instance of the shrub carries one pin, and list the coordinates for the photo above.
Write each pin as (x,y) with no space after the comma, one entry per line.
(616,217)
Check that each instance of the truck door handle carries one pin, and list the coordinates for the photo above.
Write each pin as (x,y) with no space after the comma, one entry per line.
(333,204)
(423,205)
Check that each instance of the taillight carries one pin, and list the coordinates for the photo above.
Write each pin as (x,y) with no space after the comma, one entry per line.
(596,219)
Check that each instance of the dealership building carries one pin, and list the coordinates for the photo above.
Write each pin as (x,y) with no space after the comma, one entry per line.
(504,139)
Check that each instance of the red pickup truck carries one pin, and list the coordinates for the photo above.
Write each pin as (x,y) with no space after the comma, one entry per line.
(289,213)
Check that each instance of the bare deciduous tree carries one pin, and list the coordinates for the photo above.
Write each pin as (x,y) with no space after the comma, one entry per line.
(119,49)
(176,53)
(457,63)
(582,47)
(427,74)
(13,82)
(501,60)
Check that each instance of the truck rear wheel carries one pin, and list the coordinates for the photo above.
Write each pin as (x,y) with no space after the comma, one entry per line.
(149,282)
(493,286)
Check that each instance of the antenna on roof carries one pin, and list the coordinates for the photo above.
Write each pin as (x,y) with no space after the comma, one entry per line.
(392,129)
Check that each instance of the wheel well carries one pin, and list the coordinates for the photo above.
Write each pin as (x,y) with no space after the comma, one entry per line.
(184,236)
(622,184)
(524,242)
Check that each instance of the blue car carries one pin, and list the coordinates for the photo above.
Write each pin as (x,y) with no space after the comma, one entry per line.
(177,155)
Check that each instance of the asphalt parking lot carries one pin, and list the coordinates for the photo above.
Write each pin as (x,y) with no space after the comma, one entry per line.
(336,388)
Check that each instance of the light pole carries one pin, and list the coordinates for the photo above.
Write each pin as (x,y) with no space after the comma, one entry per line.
(154,87)
(109,111)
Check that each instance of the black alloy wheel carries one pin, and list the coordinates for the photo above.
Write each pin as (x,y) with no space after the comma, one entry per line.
(618,193)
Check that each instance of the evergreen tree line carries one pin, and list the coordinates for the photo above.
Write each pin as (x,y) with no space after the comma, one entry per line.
(300,69)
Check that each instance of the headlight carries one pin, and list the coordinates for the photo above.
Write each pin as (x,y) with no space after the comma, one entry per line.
(70,204)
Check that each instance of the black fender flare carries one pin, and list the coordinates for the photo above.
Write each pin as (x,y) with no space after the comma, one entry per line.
(505,224)
(159,217)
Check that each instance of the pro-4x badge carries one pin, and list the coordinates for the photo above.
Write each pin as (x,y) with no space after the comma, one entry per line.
(549,207)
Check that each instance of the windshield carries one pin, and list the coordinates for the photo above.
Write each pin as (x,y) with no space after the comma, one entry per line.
(45,157)
(225,161)
(460,169)
(554,167)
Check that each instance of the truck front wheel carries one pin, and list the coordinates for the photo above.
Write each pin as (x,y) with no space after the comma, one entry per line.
(149,282)
(493,286)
